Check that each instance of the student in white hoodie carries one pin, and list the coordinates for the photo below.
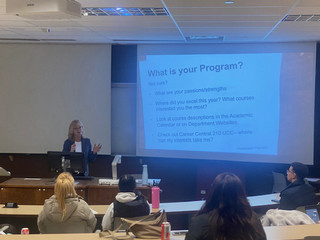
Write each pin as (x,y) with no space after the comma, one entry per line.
(127,203)
(65,212)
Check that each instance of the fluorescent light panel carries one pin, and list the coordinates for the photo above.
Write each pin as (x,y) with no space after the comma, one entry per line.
(95,11)
(302,18)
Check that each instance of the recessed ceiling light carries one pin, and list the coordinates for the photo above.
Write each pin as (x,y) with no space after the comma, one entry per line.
(229,2)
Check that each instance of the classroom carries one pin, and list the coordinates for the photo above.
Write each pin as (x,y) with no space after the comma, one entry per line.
(192,89)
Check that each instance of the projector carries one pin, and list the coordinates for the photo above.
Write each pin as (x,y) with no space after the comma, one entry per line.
(44,9)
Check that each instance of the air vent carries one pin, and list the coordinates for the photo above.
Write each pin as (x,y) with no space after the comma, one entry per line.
(36,40)
(58,40)
(205,39)
(148,41)
(301,18)
(94,11)
(20,39)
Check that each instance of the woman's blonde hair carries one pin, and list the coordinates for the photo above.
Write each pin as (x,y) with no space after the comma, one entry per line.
(73,125)
(64,188)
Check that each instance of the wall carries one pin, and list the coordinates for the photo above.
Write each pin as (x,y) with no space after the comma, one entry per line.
(43,87)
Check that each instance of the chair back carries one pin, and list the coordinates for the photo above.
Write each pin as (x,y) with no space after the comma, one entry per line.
(279,182)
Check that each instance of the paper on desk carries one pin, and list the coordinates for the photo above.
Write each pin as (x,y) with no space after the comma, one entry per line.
(93,211)
(313,179)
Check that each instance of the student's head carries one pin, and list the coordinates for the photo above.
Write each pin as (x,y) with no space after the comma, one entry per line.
(63,189)
(127,183)
(297,171)
(227,192)
(231,216)
(75,129)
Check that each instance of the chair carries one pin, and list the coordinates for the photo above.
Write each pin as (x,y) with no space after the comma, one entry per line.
(279,182)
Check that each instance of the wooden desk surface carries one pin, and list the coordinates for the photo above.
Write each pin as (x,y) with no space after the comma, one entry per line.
(193,206)
(296,232)
(34,210)
(49,182)
(29,191)
(173,207)
(273,233)
(78,236)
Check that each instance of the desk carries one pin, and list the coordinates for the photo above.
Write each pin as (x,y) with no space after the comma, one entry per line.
(296,232)
(34,210)
(26,215)
(260,201)
(34,191)
(78,236)
(173,207)
(315,183)
(31,190)
(273,233)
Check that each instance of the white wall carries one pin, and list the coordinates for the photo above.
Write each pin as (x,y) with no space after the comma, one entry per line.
(43,87)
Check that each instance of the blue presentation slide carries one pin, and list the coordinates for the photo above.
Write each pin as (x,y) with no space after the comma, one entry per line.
(211,102)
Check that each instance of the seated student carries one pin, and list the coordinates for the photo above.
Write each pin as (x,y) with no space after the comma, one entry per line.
(65,212)
(127,203)
(226,214)
(298,192)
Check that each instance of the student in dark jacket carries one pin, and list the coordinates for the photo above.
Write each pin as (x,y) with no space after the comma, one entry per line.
(298,192)
(226,214)
(127,204)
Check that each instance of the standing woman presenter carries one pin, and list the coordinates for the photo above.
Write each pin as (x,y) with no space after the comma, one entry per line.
(76,142)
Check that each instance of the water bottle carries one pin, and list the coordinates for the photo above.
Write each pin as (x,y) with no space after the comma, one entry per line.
(63,164)
(145,175)
(155,197)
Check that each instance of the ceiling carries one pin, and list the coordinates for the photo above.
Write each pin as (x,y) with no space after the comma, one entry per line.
(242,21)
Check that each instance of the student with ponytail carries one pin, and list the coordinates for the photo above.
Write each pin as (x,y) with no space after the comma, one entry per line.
(65,211)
